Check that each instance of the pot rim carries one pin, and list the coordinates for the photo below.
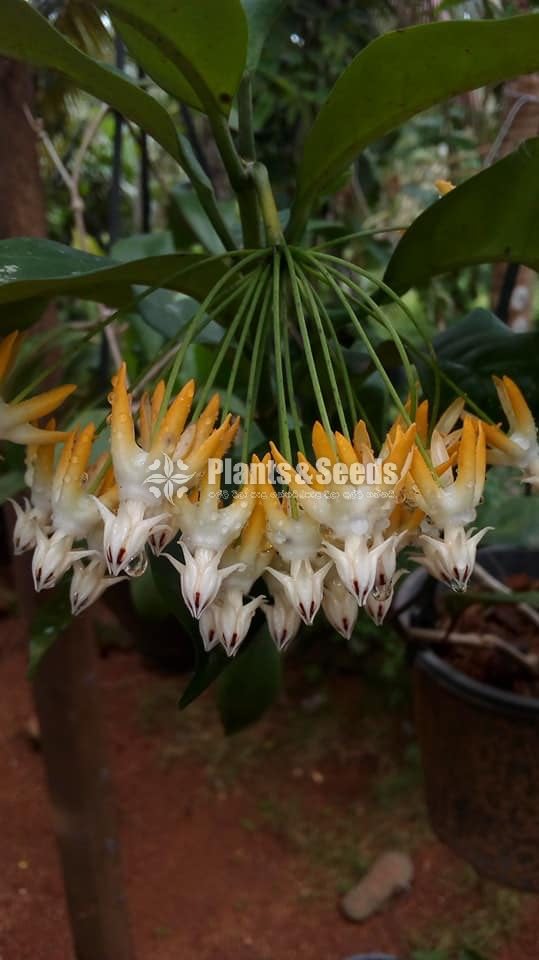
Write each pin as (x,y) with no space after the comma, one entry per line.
(481,695)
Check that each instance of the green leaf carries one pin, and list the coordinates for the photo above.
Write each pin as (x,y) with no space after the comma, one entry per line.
(195,51)
(33,269)
(53,616)
(251,683)
(26,35)
(491,217)
(477,347)
(261,15)
(11,483)
(401,74)
(189,221)
(147,598)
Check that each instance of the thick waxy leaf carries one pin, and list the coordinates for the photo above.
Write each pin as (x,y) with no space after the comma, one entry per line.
(52,617)
(401,74)
(491,217)
(26,35)
(193,50)
(32,270)
(261,15)
(250,684)
(477,347)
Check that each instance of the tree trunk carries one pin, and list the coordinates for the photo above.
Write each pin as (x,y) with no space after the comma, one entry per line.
(22,208)
(513,287)
(66,692)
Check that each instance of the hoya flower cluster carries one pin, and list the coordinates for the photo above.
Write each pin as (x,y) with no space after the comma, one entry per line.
(327,534)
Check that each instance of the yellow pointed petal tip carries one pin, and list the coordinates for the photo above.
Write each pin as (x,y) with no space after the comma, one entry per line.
(254,532)
(42,404)
(157,399)
(7,353)
(207,418)
(322,445)
(362,441)
(514,404)
(175,418)
(422,420)
(121,419)
(346,452)
(467,453)
(444,186)
(402,446)
(80,455)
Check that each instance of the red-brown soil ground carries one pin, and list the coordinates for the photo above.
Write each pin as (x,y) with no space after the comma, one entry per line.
(238,848)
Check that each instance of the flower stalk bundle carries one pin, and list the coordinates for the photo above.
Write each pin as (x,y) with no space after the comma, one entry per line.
(322,527)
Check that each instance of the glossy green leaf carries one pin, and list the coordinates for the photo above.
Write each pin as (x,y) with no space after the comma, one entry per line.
(401,74)
(189,221)
(195,51)
(261,14)
(33,269)
(250,684)
(477,347)
(52,617)
(491,217)
(26,35)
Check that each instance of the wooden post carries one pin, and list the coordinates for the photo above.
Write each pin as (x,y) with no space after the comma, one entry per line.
(69,712)
(73,742)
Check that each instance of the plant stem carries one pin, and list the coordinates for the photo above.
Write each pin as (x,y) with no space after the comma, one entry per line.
(370,349)
(332,333)
(268,207)
(313,307)
(253,386)
(246,138)
(284,437)
(240,181)
(374,310)
(357,236)
(238,355)
(192,329)
(294,410)
(311,363)
(246,306)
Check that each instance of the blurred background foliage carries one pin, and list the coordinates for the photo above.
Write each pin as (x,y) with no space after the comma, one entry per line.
(135,204)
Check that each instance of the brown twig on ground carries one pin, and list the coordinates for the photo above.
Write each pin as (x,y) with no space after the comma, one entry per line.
(486,579)
(485,641)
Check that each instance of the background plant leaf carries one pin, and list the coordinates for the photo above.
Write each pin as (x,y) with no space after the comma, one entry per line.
(37,270)
(26,35)
(208,40)
(401,74)
(250,684)
(491,217)
(261,14)
(52,617)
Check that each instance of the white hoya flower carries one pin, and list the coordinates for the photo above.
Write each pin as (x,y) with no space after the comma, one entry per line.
(377,605)
(88,583)
(232,617)
(340,607)
(201,577)
(27,522)
(304,586)
(207,530)
(452,558)
(53,556)
(126,532)
(282,616)
(357,563)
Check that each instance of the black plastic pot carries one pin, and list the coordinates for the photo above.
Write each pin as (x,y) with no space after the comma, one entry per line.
(479,748)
